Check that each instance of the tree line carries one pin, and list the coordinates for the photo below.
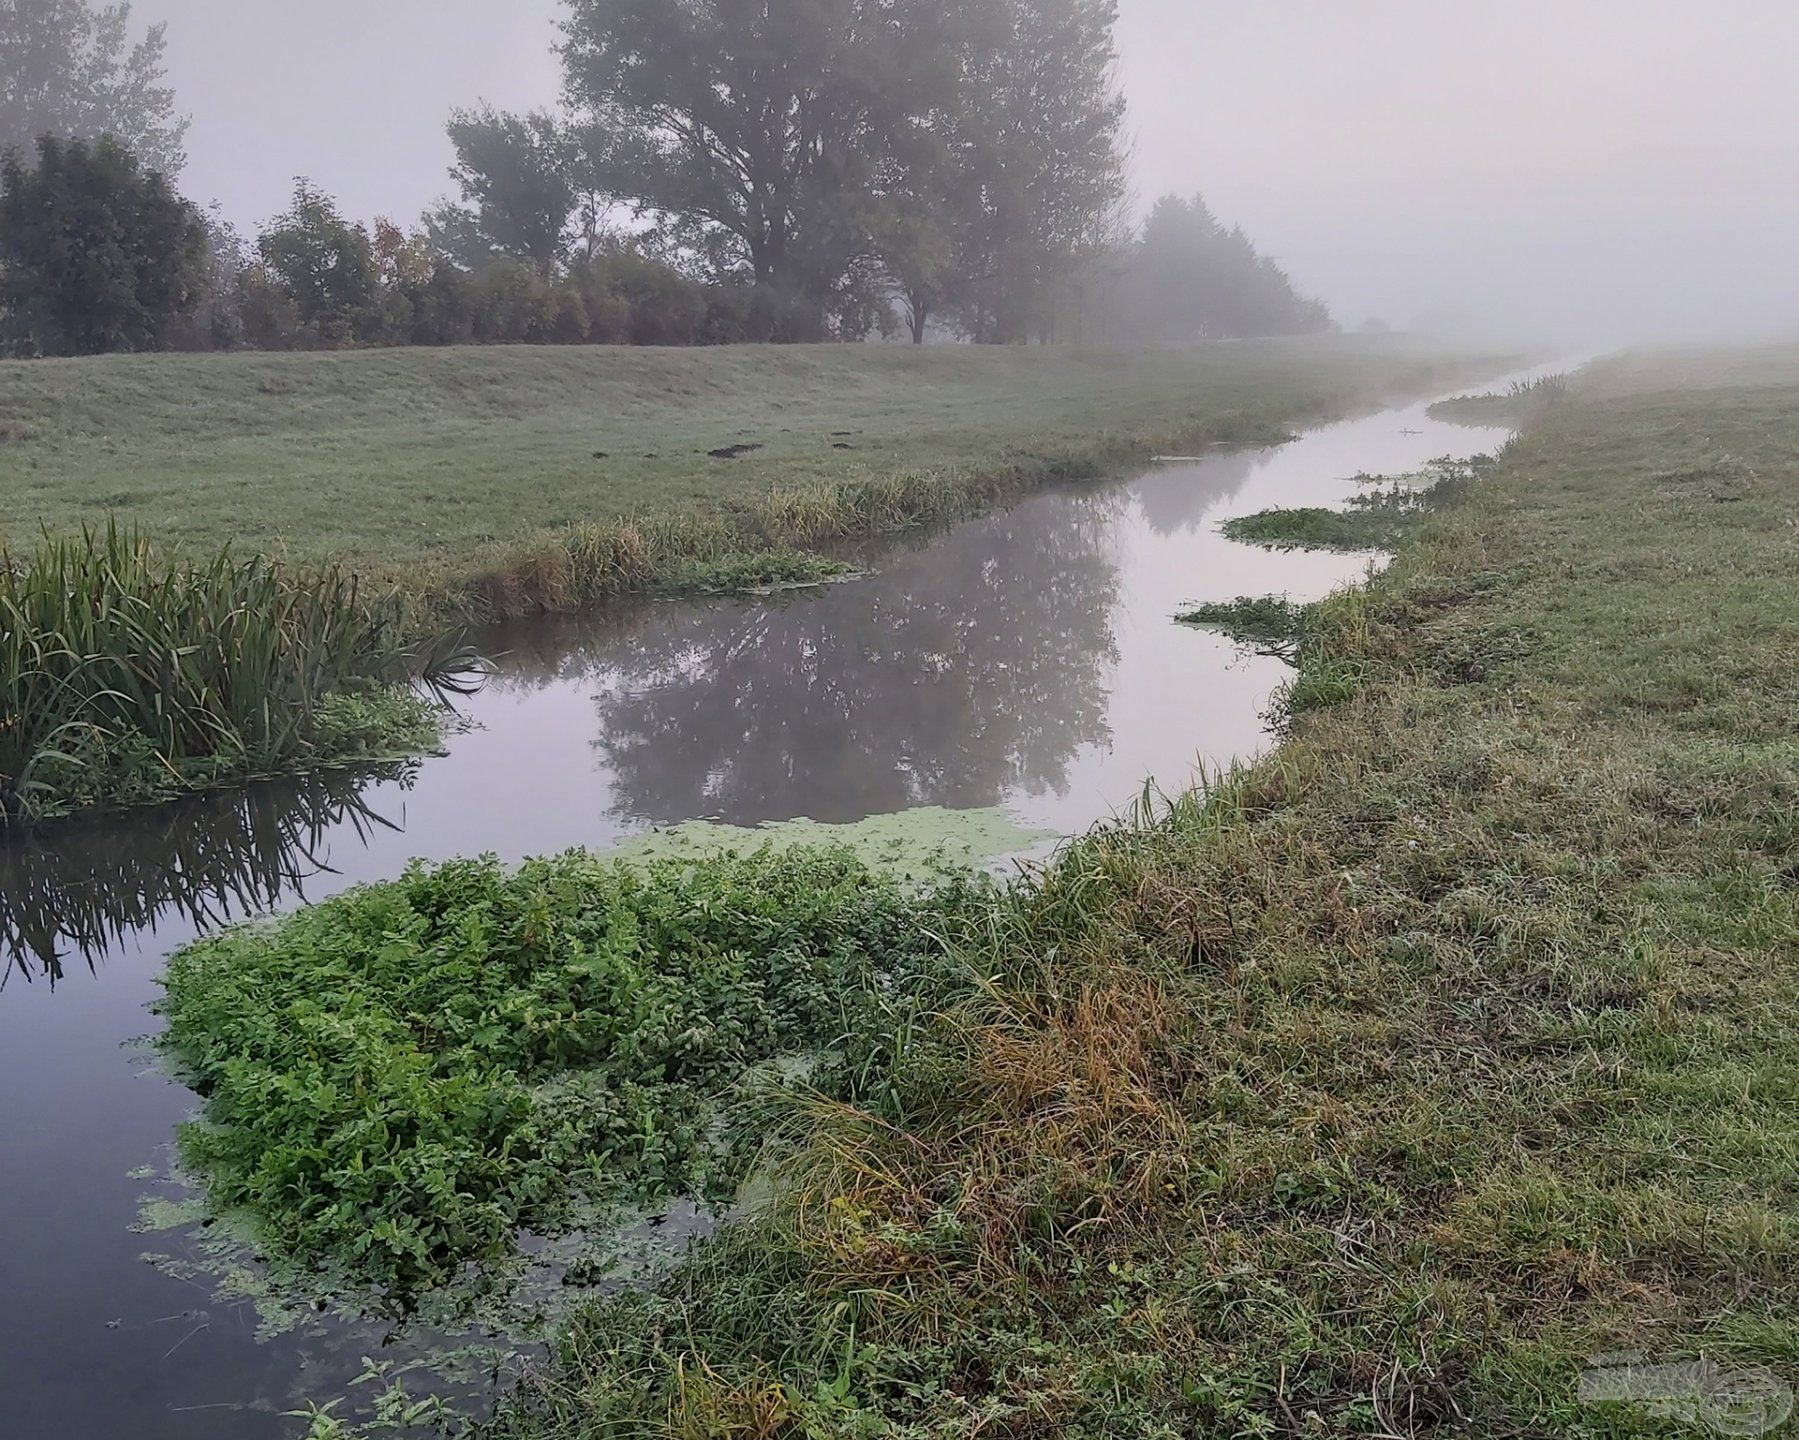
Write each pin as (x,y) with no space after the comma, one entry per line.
(721,170)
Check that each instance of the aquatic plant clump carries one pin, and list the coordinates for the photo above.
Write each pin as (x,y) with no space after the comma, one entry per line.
(1377,519)
(126,678)
(1272,624)
(398,1079)
(1518,404)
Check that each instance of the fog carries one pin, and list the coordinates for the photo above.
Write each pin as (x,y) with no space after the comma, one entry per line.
(1598,171)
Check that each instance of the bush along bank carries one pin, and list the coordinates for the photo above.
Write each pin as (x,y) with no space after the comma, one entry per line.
(1374,1091)
(126,678)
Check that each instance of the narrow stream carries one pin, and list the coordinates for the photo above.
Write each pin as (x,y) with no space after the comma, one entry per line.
(1026,661)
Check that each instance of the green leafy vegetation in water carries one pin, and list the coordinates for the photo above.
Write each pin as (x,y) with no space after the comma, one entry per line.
(398,1079)
(1380,1088)
(1377,519)
(1520,403)
(1272,624)
(762,570)
(127,678)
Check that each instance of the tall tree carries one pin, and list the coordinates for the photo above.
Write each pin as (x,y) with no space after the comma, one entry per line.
(96,254)
(1036,155)
(760,134)
(326,265)
(71,71)
(1191,278)
(518,191)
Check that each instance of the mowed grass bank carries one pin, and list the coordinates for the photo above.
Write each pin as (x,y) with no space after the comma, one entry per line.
(1456,1043)
(462,473)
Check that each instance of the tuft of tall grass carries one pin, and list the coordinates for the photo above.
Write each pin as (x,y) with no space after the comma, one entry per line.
(124,676)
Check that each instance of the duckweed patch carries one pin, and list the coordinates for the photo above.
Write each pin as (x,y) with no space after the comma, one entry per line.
(909,845)
(397,1080)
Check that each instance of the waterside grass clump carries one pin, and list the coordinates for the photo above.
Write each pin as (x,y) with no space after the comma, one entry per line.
(1520,403)
(399,1079)
(1376,519)
(1378,1089)
(126,677)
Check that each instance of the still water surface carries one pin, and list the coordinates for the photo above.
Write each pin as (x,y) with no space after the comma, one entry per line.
(1026,660)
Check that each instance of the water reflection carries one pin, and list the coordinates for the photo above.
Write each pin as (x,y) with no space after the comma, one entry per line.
(966,672)
(81,889)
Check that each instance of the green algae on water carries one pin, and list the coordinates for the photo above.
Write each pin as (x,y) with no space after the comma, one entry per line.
(911,845)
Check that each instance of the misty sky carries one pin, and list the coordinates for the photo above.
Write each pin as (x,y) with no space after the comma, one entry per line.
(1597,169)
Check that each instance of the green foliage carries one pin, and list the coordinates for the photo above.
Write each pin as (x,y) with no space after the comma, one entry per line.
(1270,623)
(126,678)
(326,267)
(1032,169)
(1377,519)
(71,71)
(518,193)
(95,253)
(969,154)
(766,135)
(766,569)
(398,1079)
(1189,277)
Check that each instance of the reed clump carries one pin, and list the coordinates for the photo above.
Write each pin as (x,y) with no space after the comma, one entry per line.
(126,677)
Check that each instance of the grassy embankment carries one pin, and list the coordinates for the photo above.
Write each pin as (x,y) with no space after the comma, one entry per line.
(504,480)
(1377,1090)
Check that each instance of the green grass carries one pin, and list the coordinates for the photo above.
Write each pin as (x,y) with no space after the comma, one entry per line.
(1377,1089)
(475,475)
(126,677)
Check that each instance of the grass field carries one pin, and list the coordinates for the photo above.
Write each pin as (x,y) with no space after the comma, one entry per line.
(432,466)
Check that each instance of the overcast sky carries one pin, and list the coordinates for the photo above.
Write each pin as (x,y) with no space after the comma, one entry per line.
(1601,169)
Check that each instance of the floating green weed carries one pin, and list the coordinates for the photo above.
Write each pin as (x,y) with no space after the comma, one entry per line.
(398,1079)
(1272,624)
(915,845)
(759,570)
(1377,519)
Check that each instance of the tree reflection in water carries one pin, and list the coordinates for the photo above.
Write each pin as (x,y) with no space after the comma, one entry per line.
(964,671)
(82,888)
